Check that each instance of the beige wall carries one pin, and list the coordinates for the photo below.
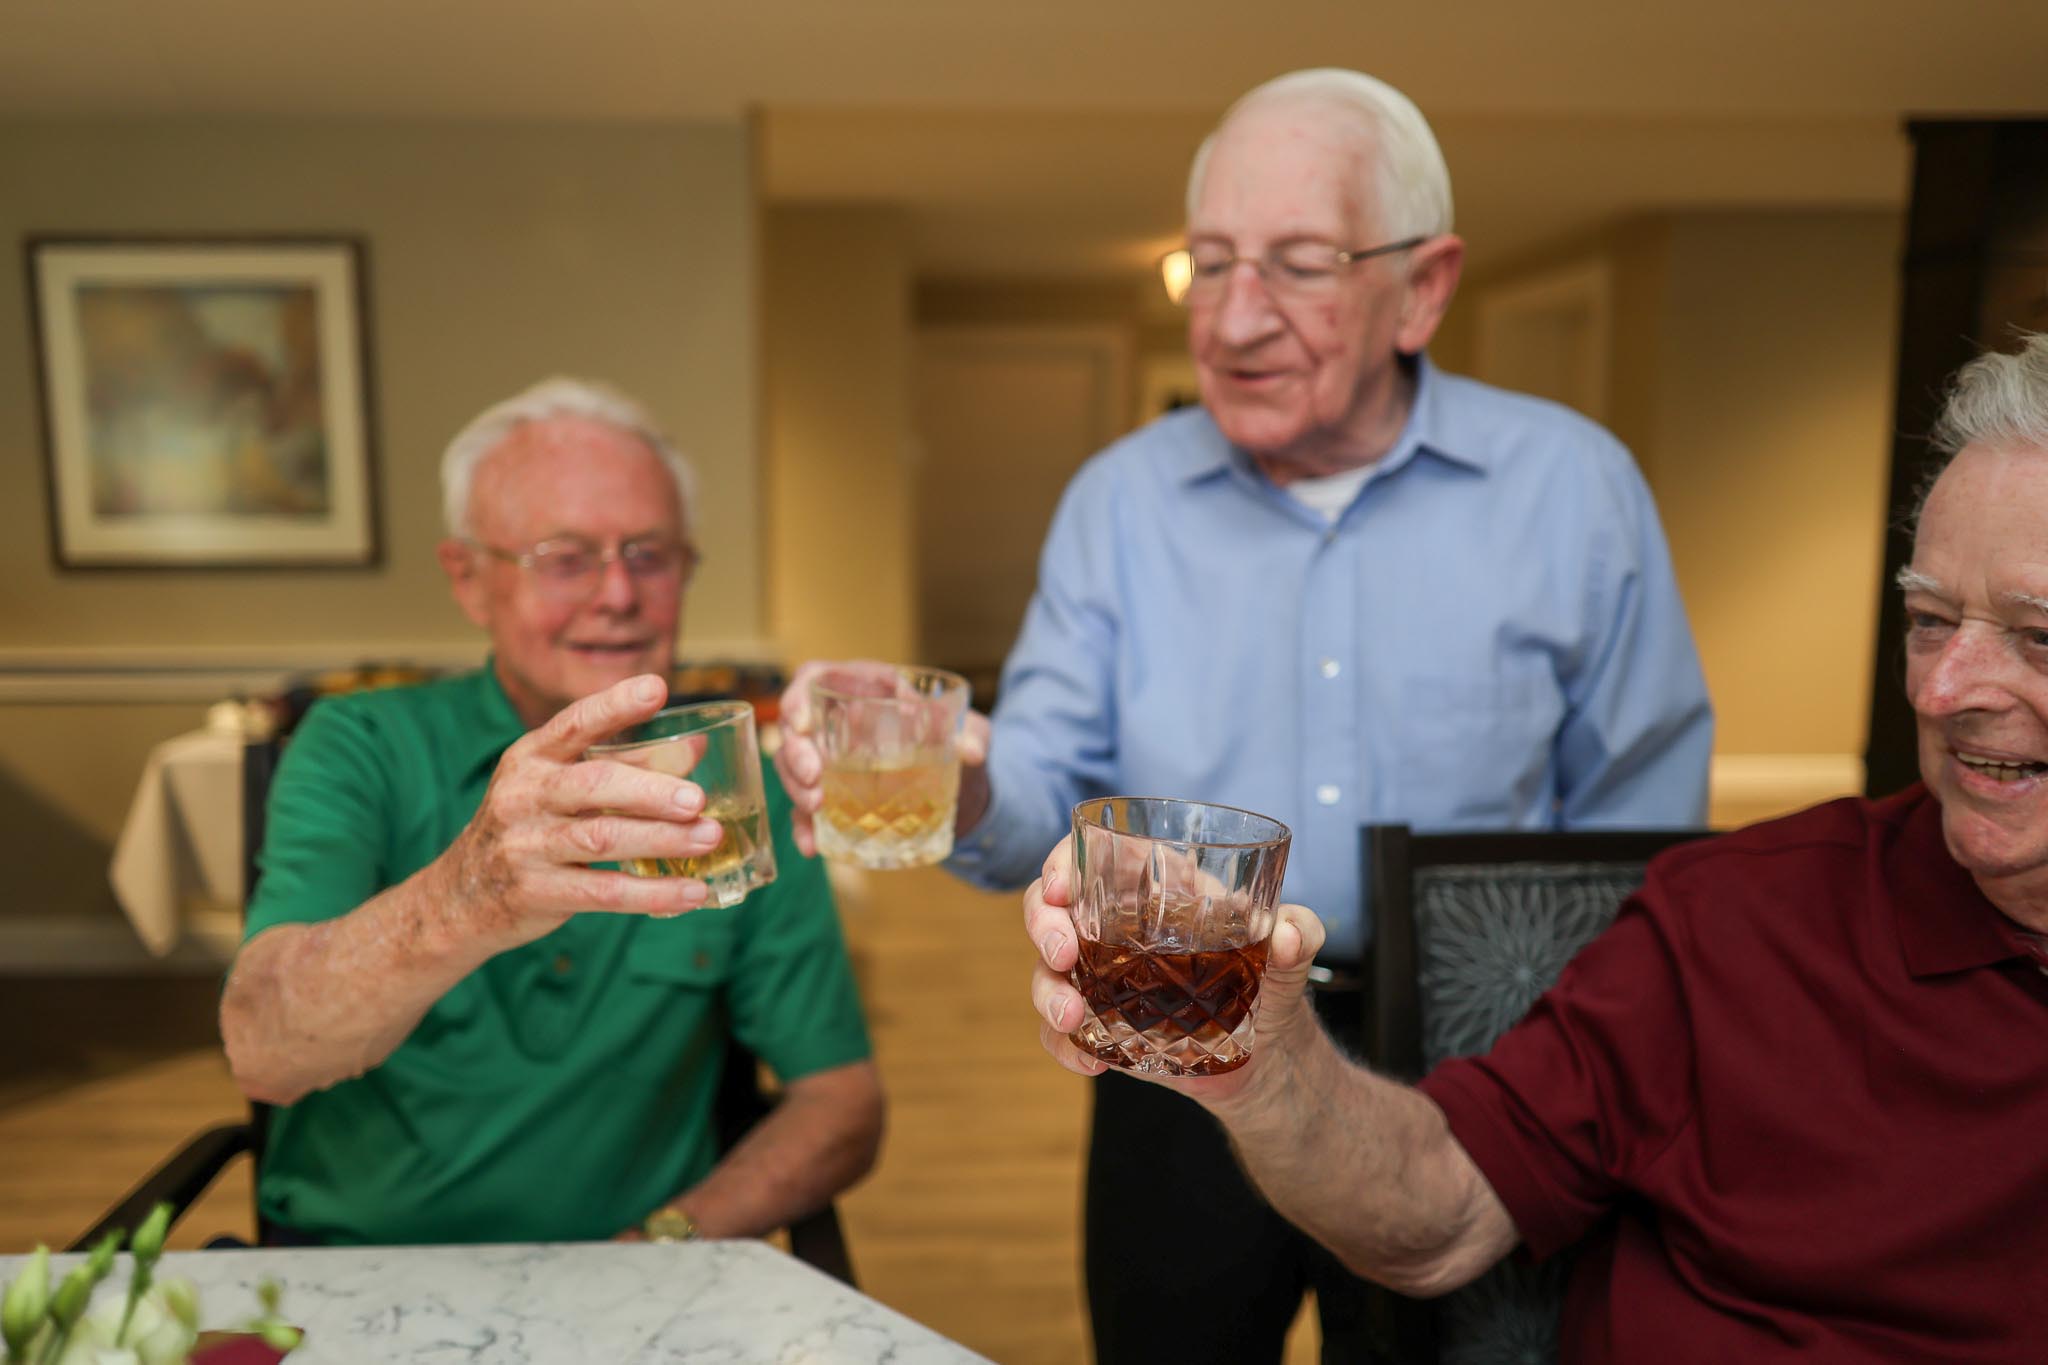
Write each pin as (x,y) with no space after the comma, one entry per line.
(1019,381)
(1751,372)
(841,560)
(498,253)
(1769,460)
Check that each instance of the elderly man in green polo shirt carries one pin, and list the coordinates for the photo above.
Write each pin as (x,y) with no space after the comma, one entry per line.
(473,1034)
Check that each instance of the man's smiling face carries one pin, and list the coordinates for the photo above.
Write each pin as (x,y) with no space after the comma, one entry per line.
(561,477)
(1296,381)
(1976,597)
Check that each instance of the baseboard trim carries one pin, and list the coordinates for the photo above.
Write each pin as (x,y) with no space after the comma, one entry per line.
(1765,776)
(1748,787)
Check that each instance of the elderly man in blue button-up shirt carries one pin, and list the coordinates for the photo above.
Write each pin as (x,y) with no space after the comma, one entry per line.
(1347,589)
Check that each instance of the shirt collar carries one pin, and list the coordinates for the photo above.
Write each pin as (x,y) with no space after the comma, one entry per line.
(1946,924)
(493,723)
(1435,427)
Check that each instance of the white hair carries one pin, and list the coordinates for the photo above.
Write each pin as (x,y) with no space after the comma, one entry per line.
(1998,399)
(1411,189)
(557,397)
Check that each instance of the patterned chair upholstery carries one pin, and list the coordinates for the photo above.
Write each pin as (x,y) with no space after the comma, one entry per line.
(1469,930)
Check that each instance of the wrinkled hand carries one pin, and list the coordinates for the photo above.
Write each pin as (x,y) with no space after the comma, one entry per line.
(802,767)
(519,869)
(1282,1009)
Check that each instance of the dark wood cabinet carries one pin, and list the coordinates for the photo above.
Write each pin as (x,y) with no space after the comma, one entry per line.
(1976,276)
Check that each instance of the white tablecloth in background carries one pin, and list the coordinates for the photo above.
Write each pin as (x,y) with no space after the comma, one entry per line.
(181,846)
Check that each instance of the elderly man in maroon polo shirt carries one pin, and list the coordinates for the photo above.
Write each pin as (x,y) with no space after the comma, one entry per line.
(1794,1103)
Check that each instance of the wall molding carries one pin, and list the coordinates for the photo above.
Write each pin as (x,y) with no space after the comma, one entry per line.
(1522,317)
(140,674)
(104,945)
(1783,781)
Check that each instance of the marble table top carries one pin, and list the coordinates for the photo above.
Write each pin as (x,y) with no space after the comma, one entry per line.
(705,1303)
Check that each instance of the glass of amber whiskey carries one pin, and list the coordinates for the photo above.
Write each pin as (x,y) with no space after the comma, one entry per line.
(887,734)
(713,744)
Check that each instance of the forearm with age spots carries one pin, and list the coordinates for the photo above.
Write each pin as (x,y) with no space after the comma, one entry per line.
(820,1138)
(308,1005)
(1369,1168)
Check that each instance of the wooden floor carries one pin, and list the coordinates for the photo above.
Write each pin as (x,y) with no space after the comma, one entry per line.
(970,1224)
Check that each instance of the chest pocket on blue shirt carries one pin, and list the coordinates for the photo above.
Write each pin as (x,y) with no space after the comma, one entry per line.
(1476,748)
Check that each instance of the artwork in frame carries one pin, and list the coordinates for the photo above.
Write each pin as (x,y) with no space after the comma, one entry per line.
(205,402)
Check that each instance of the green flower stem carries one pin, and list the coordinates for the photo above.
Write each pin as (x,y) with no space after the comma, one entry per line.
(23,1307)
(66,1308)
(147,1247)
(274,1330)
(101,1262)
(280,1336)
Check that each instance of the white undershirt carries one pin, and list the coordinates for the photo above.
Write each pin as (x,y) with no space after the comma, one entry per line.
(1331,493)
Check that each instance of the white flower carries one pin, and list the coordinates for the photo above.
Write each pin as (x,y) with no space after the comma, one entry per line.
(181,1296)
(158,1333)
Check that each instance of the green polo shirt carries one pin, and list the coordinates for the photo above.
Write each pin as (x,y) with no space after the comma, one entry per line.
(562,1090)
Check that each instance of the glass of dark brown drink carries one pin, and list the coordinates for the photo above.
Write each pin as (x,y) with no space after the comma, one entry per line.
(1174,908)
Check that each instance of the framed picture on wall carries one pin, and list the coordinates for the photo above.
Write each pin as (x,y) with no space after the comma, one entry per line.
(205,402)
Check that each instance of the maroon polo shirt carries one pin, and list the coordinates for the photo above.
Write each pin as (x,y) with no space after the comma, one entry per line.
(1793,1104)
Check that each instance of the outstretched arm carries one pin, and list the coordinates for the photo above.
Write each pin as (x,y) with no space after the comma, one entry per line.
(309,1005)
(1366,1166)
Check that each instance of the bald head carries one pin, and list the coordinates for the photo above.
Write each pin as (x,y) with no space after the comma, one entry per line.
(1376,138)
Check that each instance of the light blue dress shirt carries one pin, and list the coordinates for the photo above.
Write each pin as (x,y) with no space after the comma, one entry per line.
(1488,637)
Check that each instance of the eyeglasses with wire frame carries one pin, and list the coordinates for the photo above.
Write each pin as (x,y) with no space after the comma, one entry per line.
(1298,269)
(573,566)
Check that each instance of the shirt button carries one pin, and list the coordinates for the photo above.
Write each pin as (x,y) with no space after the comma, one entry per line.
(563,964)
(1328,794)
(702,960)
(1329,668)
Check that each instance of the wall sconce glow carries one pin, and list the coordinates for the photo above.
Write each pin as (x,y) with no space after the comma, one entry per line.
(1176,269)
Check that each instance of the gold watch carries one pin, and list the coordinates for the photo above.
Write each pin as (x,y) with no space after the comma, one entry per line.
(669,1225)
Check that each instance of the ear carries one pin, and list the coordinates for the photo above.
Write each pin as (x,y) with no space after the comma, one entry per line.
(465,580)
(1432,279)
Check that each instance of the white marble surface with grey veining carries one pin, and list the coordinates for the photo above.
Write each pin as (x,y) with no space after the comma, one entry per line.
(696,1303)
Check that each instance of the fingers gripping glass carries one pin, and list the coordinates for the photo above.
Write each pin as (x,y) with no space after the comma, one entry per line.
(1174,912)
(712,744)
(891,783)
(572,567)
(1291,270)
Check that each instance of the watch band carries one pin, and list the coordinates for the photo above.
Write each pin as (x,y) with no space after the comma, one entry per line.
(669,1225)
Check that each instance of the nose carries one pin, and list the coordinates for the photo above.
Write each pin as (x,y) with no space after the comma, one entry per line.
(1246,314)
(617,591)
(1967,675)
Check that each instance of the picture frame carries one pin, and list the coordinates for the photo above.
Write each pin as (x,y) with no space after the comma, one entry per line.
(206,402)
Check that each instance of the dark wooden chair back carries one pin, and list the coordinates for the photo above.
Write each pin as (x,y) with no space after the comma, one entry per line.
(1468,930)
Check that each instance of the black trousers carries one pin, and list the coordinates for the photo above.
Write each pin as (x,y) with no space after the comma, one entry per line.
(1185,1263)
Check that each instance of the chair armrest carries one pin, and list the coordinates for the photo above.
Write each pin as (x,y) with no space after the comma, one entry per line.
(178,1182)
